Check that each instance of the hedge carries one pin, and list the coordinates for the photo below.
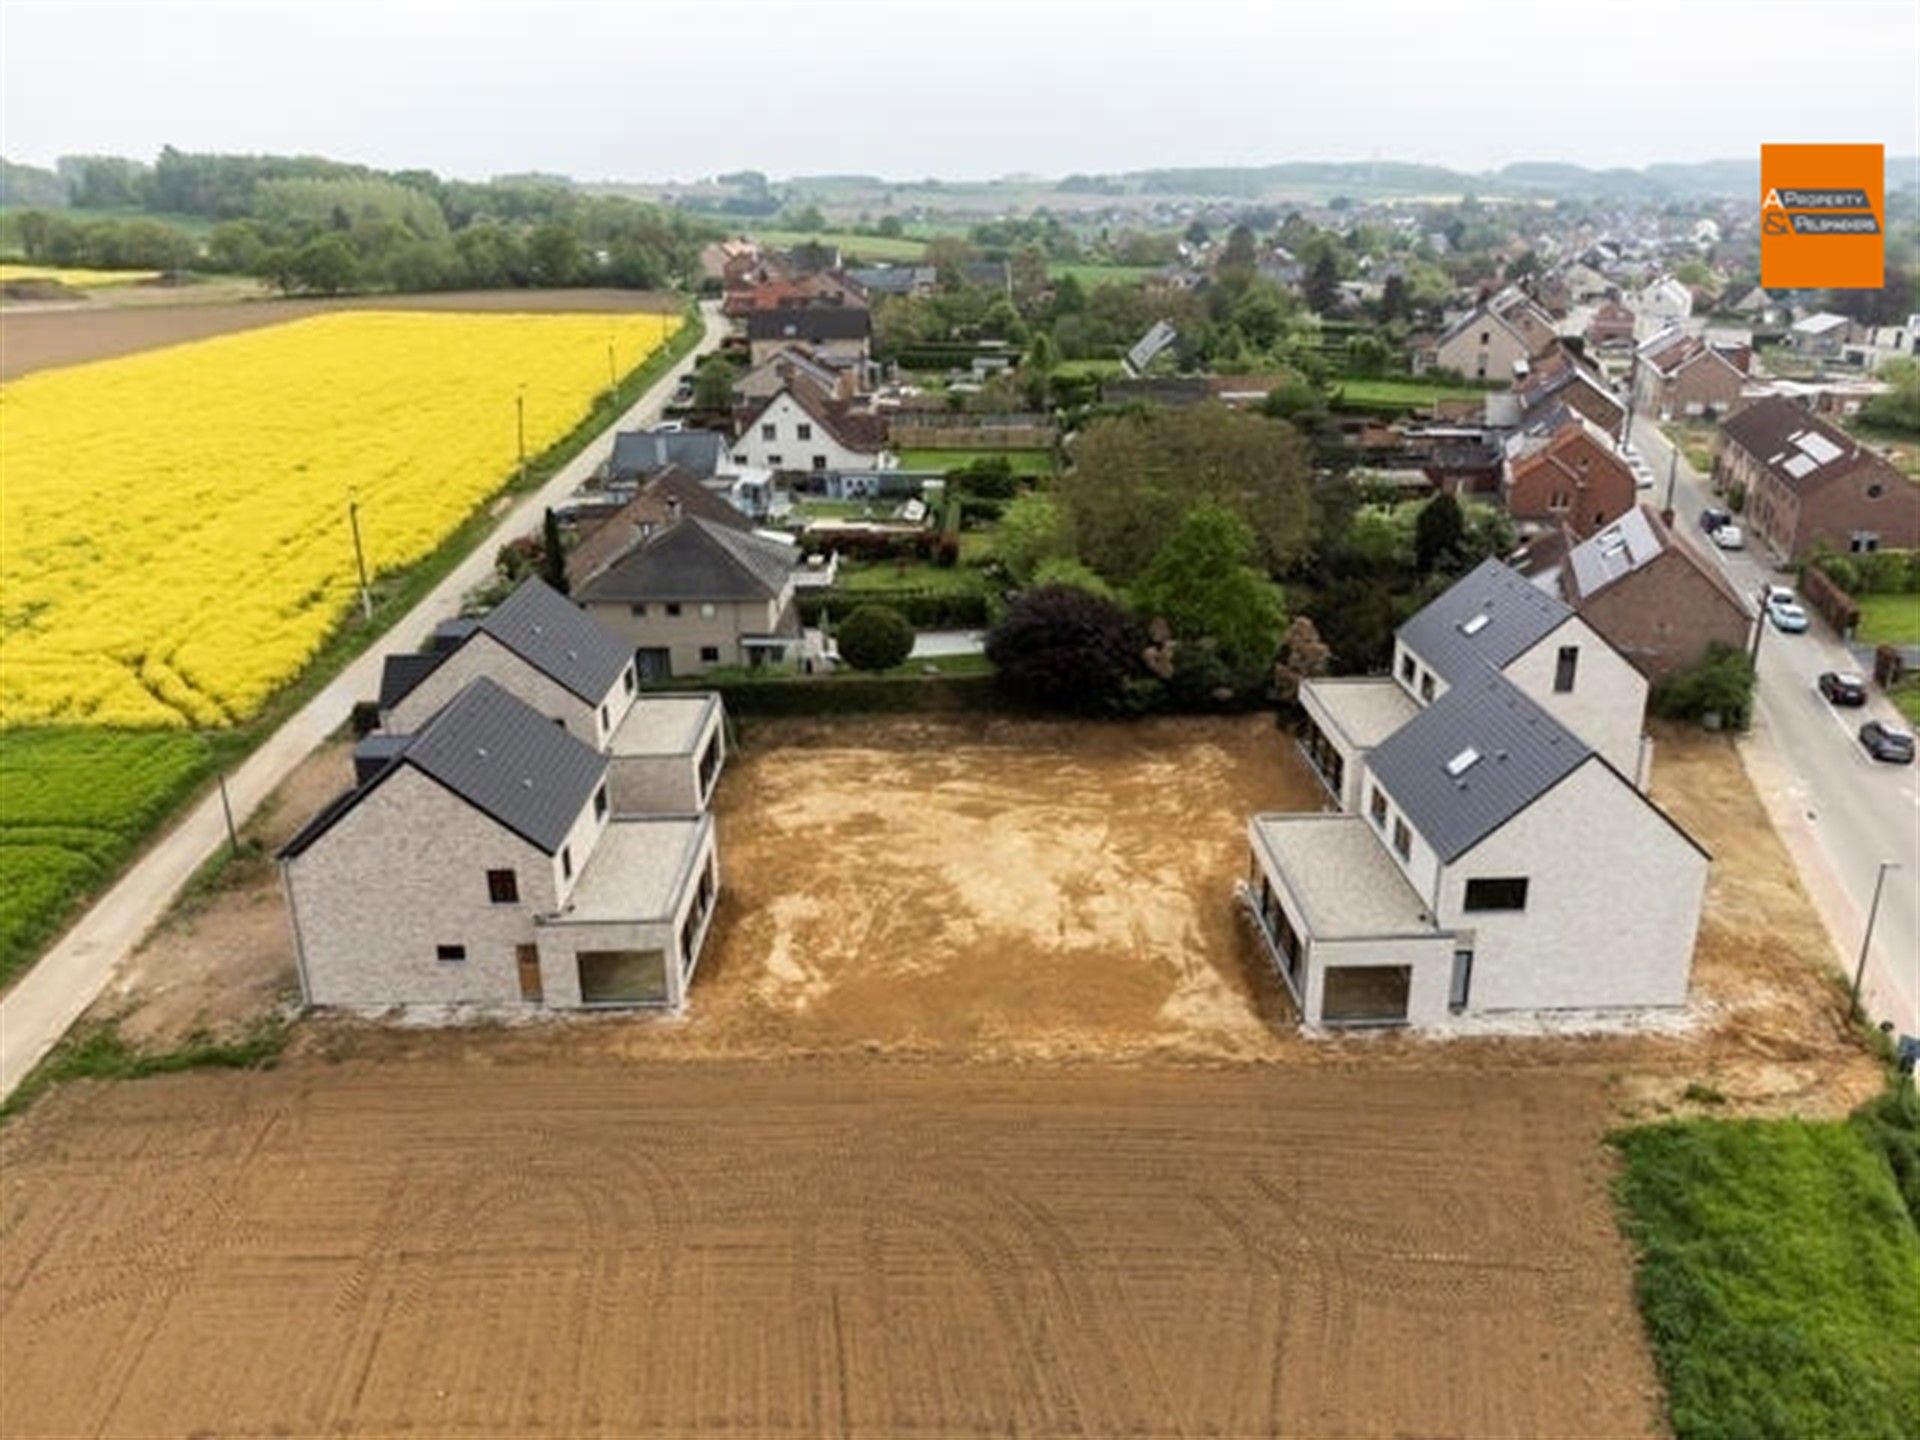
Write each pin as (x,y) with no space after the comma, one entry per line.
(924,609)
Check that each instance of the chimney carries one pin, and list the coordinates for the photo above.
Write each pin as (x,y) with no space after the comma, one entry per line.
(673,509)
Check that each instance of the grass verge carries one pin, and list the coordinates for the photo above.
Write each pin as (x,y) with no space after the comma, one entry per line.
(1779,1278)
(105,845)
(100,1052)
(1888,619)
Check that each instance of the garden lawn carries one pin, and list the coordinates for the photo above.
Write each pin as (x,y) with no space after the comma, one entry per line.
(1889,619)
(856,577)
(898,250)
(1906,696)
(1779,1278)
(74,804)
(1092,276)
(1412,393)
(1024,462)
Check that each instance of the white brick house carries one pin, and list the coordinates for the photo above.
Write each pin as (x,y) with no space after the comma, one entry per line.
(664,752)
(1489,855)
(479,861)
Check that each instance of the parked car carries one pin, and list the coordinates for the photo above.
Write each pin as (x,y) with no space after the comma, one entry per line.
(1728,537)
(1712,518)
(1787,616)
(1842,688)
(1886,742)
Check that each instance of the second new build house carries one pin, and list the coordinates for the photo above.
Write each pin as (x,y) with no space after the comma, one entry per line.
(1491,855)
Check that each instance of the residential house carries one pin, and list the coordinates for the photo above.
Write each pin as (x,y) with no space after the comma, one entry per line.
(480,861)
(1559,374)
(1822,335)
(878,280)
(776,292)
(696,595)
(1585,284)
(1562,469)
(1677,374)
(1488,861)
(1612,324)
(799,428)
(719,257)
(664,752)
(699,454)
(1659,602)
(661,500)
(834,332)
(1661,305)
(1810,484)
(800,363)
(1490,341)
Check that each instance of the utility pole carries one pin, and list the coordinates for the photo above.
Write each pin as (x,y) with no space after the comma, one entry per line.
(613,378)
(359,557)
(1759,625)
(1866,941)
(1673,469)
(226,807)
(520,427)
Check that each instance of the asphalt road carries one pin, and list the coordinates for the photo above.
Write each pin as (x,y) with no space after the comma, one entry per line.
(1840,812)
(52,995)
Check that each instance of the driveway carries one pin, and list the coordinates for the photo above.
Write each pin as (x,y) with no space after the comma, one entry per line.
(49,997)
(1840,813)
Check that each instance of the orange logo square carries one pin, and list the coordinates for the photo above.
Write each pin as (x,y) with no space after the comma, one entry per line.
(1822,217)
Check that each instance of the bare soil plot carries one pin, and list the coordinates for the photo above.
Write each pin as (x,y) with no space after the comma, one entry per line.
(861,1249)
(989,889)
(42,338)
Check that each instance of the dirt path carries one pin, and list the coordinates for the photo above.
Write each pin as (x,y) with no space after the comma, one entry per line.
(43,337)
(802,1250)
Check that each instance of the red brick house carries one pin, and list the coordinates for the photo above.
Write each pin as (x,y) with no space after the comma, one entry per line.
(1680,374)
(1657,600)
(1810,484)
(1612,324)
(1572,476)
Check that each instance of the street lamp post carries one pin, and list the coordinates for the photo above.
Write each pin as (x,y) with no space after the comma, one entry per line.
(1866,940)
(1673,469)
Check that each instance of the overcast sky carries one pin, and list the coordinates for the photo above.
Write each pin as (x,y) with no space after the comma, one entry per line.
(961,91)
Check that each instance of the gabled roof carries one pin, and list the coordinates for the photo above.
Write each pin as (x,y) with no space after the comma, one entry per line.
(665,498)
(1798,448)
(501,756)
(695,560)
(1630,544)
(556,637)
(853,429)
(1474,759)
(543,628)
(810,322)
(1519,615)
(696,452)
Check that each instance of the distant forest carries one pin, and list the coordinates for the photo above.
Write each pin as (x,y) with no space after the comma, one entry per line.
(321,226)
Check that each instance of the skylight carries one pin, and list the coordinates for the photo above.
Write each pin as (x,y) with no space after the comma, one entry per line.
(1463,762)
(1475,625)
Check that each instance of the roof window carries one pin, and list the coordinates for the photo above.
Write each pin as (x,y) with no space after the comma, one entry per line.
(1475,625)
(1463,762)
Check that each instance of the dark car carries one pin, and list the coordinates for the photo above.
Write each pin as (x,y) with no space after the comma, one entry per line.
(1711,519)
(1883,742)
(1841,689)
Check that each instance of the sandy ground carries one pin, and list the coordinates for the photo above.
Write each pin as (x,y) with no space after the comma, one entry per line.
(45,336)
(997,890)
(811,1249)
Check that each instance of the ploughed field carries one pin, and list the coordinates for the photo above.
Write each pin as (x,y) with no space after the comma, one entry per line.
(794,1249)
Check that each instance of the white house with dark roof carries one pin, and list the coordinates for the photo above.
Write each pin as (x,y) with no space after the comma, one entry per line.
(479,861)
(695,595)
(1487,856)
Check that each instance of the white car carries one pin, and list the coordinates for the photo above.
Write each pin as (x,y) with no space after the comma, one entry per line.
(1787,617)
(1728,537)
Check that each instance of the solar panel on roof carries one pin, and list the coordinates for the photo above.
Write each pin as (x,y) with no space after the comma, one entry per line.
(1820,447)
(1800,466)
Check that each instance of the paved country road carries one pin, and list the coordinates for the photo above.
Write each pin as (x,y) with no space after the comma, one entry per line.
(51,996)
(1839,812)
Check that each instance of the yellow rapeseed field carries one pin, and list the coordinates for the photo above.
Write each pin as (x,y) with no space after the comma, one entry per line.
(174,543)
(78,279)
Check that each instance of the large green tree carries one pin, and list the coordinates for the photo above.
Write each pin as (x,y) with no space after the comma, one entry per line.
(1202,581)
(1135,476)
